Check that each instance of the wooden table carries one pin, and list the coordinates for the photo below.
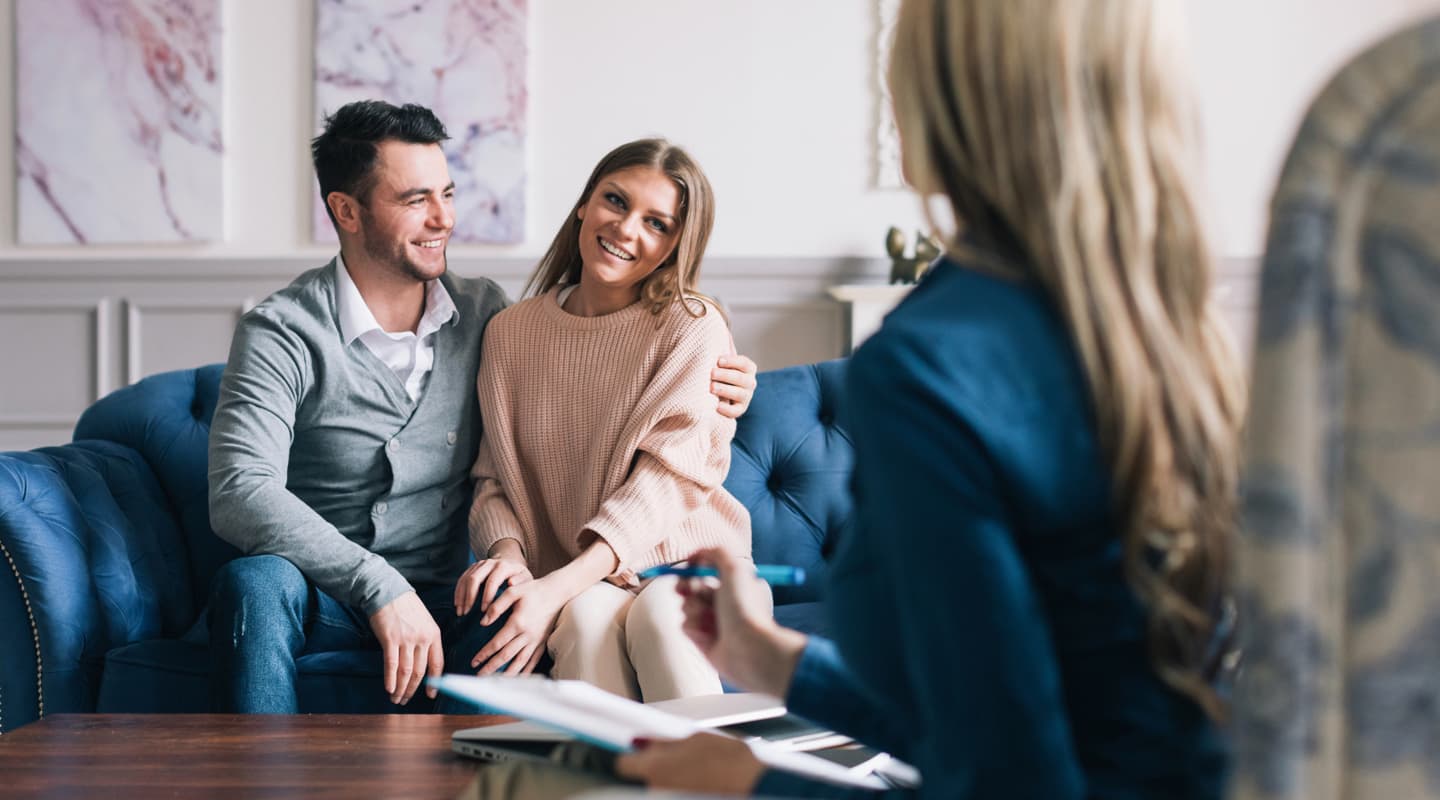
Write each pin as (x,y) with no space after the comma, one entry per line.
(117,756)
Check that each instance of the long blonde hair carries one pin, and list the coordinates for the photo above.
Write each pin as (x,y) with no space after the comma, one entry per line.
(675,279)
(1061,131)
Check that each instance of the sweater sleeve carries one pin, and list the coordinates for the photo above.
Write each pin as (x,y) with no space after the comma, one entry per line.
(683,451)
(823,690)
(493,514)
(492,517)
(251,507)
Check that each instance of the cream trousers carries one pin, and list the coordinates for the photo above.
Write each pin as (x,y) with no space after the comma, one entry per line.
(631,644)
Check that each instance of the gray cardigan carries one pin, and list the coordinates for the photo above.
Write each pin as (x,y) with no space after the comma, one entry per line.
(318,454)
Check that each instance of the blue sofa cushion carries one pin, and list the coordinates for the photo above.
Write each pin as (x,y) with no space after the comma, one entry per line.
(172,676)
(791,468)
(808,617)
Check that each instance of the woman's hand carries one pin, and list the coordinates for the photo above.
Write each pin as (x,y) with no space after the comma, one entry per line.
(519,645)
(483,579)
(733,381)
(705,762)
(733,624)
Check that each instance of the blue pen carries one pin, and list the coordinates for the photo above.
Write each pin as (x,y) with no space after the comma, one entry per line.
(773,574)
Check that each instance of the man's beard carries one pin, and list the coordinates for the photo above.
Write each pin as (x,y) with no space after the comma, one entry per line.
(396,257)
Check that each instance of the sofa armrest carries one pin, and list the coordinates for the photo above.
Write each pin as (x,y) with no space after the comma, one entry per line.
(20,697)
(84,531)
(38,613)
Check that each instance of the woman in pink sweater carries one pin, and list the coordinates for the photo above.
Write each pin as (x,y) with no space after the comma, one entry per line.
(603,453)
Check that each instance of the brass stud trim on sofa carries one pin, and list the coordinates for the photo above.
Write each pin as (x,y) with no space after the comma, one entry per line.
(34,635)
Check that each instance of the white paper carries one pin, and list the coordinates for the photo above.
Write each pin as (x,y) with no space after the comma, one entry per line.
(613,722)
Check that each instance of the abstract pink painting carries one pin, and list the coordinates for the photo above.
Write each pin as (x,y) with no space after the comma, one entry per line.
(118,126)
(465,60)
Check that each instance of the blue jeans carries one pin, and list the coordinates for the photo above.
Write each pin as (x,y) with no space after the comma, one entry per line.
(264,615)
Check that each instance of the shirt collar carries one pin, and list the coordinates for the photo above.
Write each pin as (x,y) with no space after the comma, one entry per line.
(356,319)
(439,308)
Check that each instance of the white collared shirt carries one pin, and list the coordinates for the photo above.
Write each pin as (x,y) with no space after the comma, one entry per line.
(409,355)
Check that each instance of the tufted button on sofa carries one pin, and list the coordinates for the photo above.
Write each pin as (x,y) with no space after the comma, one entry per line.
(109,554)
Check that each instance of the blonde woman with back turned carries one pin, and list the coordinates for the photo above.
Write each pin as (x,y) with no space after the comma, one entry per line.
(1046,435)
(603,452)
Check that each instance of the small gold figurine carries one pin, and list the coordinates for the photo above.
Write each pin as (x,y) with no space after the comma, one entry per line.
(909,269)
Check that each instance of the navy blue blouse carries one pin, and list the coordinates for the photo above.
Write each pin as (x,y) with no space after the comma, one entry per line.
(987,634)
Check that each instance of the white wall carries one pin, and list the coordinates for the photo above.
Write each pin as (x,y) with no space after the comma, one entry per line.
(1258,64)
(775,97)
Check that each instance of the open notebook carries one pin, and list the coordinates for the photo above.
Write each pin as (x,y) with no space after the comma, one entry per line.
(575,710)
(750,714)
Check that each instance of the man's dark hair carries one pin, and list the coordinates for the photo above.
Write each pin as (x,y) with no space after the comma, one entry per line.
(345,152)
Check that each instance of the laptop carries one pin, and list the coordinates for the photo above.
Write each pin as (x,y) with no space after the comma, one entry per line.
(531,741)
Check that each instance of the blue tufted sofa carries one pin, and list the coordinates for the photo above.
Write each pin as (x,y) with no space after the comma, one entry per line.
(109,553)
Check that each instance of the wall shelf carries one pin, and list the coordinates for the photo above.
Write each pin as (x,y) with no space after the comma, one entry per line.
(868,304)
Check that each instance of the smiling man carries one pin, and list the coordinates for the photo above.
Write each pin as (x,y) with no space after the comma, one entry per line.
(346,426)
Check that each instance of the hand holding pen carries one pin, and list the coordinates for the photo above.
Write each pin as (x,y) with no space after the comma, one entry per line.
(773,574)
(732,622)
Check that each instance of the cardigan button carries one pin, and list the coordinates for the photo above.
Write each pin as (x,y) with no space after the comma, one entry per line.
(450,438)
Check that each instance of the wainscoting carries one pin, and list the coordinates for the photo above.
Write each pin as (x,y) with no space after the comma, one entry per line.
(75,330)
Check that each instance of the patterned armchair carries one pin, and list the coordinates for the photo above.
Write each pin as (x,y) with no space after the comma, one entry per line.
(1339,692)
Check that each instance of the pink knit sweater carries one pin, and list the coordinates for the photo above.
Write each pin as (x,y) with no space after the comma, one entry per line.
(603,425)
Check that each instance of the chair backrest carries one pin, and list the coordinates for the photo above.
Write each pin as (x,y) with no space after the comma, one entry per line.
(790,467)
(1340,558)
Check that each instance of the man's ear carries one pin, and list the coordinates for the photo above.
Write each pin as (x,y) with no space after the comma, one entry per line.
(346,210)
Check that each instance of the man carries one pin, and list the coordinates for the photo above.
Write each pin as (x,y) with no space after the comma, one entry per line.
(346,426)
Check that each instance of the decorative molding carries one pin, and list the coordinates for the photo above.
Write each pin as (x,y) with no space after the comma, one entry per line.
(780,305)
(104,381)
(792,303)
(99,314)
(135,309)
(187,268)
(31,421)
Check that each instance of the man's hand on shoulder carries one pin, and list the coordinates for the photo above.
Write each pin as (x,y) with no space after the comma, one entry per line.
(733,381)
(410,640)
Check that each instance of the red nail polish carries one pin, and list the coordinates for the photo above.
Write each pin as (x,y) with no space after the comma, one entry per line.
(640,742)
